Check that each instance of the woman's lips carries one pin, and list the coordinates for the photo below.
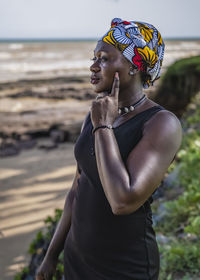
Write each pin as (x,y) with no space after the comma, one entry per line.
(94,80)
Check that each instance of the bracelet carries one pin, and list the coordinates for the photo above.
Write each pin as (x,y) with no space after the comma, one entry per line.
(109,126)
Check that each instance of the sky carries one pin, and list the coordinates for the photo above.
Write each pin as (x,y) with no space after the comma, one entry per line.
(91,18)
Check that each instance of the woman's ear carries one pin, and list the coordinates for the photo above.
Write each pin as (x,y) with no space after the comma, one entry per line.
(133,70)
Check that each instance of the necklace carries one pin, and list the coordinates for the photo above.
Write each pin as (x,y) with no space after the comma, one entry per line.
(127,109)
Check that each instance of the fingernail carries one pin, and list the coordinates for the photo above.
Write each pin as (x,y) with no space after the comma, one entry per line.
(117,75)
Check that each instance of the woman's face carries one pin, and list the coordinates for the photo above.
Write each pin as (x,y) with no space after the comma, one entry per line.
(108,60)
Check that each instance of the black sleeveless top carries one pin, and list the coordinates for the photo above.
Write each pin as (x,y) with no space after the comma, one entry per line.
(101,245)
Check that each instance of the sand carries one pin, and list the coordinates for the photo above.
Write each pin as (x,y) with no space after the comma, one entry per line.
(33,184)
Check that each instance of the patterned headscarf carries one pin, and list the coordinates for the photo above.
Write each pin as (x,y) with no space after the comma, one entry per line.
(141,43)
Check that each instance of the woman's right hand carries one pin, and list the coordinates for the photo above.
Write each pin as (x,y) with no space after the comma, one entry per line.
(46,270)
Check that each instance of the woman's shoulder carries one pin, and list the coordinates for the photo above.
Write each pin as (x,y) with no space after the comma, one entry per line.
(163,117)
(164,127)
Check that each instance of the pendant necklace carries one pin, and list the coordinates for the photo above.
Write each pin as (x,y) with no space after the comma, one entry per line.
(121,111)
(127,109)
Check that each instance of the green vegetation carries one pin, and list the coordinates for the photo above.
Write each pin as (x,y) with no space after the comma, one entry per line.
(182,66)
(180,257)
(179,85)
(21,275)
(38,248)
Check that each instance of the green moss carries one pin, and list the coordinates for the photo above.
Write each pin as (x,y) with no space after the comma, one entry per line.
(180,258)
(22,274)
(183,66)
(34,244)
(51,220)
(38,247)
(179,84)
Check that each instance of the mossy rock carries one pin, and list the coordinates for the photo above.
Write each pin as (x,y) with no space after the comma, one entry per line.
(179,84)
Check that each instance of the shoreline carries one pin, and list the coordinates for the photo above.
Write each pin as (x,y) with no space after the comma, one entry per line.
(52,108)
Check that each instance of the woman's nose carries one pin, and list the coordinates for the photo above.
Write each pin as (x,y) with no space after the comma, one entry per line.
(95,67)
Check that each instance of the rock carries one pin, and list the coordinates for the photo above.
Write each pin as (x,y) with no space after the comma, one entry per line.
(162,239)
(179,84)
(35,115)
(58,136)
(192,237)
(170,187)
(26,142)
(48,147)
(12,146)
(172,180)
(9,147)
(160,214)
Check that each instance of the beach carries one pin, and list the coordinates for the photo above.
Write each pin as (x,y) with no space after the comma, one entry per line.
(33,184)
(45,94)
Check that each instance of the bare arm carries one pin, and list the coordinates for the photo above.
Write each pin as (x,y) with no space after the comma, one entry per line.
(58,240)
(48,266)
(128,186)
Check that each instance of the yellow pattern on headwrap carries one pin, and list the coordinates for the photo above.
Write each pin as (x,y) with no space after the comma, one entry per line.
(121,47)
(111,40)
(145,31)
(140,43)
(160,41)
(148,56)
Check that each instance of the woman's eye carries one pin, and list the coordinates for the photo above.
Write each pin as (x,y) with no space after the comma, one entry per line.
(100,59)
(104,58)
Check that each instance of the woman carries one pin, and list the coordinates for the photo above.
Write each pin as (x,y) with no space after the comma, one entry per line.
(125,147)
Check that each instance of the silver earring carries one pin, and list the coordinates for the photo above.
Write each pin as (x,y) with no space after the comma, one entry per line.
(132,71)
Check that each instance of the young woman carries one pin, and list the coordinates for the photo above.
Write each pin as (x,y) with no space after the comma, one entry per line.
(125,147)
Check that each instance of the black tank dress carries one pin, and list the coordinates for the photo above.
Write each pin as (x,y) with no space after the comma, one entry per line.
(101,245)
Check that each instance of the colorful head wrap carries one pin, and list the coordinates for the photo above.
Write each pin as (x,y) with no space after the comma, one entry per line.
(141,43)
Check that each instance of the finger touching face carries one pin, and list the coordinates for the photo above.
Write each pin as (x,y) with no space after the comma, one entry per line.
(107,61)
(115,87)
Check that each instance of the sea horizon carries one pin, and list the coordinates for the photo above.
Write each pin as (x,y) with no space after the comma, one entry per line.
(35,58)
(49,40)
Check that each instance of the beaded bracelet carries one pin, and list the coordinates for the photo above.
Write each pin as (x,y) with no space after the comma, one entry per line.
(109,126)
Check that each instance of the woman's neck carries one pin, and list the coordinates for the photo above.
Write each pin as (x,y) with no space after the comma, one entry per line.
(131,94)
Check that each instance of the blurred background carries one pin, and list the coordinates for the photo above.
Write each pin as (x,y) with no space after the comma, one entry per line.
(45,52)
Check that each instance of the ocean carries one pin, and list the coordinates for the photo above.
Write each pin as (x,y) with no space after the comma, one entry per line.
(45,59)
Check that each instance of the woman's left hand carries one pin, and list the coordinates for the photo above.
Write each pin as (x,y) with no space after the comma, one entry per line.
(105,109)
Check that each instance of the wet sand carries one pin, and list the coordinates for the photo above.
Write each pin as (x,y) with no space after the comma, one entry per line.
(33,184)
